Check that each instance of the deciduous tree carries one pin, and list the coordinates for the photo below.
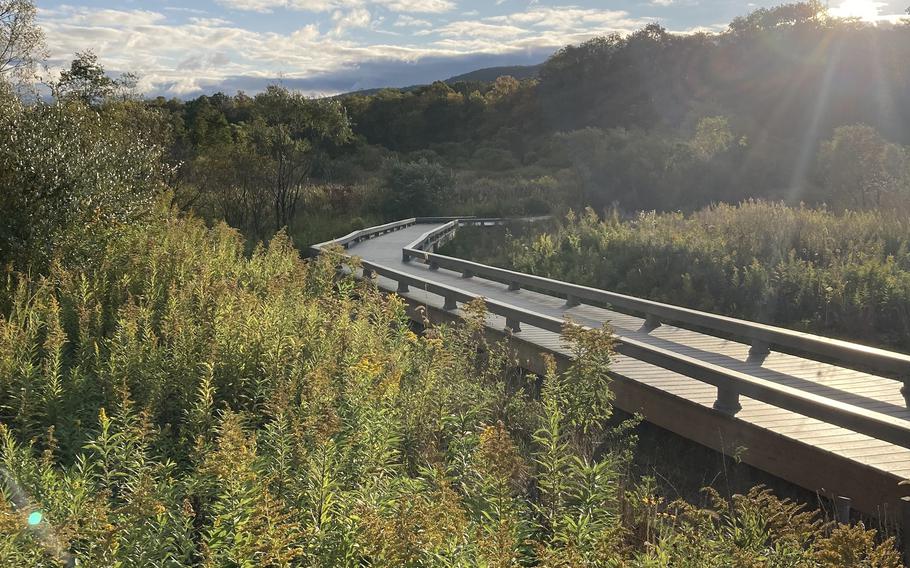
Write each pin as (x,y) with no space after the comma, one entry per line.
(21,40)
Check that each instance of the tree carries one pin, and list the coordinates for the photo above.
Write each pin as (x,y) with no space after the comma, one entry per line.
(504,87)
(860,167)
(21,40)
(87,81)
(73,177)
(415,188)
(234,179)
(292,134)
(712,136)
(765,19)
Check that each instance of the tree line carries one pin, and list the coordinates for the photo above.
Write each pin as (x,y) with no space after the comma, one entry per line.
(788,104)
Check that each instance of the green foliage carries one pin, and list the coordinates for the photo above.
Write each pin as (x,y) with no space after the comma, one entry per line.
(255,171)
(73,176)
(864,170)
(86,81)
(415,188)
(182,404)
(712,136)
(21,41)
(650,120)
(845,274)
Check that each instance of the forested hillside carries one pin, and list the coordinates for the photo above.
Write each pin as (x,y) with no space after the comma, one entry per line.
(787,104)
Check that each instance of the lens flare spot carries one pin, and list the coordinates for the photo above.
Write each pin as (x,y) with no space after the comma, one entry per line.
(35,518)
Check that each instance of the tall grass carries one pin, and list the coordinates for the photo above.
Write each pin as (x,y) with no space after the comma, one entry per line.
(183,404)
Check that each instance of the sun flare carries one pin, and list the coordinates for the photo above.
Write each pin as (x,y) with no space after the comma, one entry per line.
(866,10)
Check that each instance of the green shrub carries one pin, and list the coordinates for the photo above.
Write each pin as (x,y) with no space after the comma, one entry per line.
(70,178)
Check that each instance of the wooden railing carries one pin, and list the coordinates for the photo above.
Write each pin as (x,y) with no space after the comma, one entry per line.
(359,235)
(731,384)
(762,337)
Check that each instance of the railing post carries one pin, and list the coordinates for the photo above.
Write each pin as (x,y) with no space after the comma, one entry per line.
(905,390)
(403,288)
(450,303)
(571,301)
(759,350)
(433,266)
(466,273)
(727,401)
(842,509)
(514,287)
(652,322)
(513,324)
(405,257)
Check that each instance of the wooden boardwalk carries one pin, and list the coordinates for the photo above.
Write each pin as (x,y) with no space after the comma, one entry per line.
(812,453)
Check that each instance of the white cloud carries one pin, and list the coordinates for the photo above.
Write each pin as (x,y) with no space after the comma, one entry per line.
(184,10)
(419,6)
(865,10)
(210,22)
(573,19)
(472,29)
(103,17)
(205,61)
(709,29)
(355,18)
(181,59)
(411,22)
(201,52)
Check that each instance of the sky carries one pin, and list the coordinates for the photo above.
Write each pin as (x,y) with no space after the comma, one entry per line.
(324,47)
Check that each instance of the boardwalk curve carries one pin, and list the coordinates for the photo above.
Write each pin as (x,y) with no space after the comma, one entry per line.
(829,415)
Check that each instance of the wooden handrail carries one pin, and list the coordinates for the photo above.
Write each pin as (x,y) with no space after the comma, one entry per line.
(881,362)
(886,363)
(851,417)
(369,232)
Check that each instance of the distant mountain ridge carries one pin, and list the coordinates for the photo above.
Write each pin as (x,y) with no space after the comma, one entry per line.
(489,74)
(485,75)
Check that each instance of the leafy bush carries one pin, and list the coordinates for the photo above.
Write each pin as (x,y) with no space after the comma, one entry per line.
(415,188)
(70,178)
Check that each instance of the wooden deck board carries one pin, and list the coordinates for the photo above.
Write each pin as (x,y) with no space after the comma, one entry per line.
(838,383)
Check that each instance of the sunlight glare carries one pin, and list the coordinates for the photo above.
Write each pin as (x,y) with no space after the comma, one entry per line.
(866,10)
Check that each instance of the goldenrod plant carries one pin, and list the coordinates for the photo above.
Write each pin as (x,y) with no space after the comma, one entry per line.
(181,403)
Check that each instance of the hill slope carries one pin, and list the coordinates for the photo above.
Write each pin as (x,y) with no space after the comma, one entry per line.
(490,74)
(485,75)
